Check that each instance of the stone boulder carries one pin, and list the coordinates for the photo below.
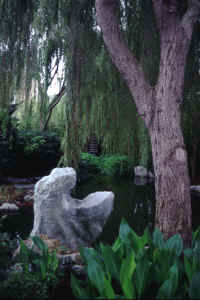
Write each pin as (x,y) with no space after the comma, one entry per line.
(72,221)
(9,207)
(141,171)
(195,189)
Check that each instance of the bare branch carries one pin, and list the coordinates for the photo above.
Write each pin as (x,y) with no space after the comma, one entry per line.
(190,17)
(52,105)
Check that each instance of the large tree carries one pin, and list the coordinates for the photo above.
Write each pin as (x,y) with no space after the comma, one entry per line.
(159,105)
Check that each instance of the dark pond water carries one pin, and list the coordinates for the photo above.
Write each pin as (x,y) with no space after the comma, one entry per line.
(134,202)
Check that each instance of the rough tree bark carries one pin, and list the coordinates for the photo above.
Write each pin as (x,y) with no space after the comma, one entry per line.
(159,106)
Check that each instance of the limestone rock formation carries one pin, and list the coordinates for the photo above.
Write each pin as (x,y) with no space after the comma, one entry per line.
(72,221)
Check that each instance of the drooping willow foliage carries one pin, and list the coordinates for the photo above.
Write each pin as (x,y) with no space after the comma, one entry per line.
(97,101)
(15,23)
(42,39)
(100,103)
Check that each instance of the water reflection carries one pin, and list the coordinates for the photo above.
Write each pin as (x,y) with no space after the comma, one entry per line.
(135,201)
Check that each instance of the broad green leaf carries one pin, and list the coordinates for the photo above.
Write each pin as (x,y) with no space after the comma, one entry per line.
(108,290)
(194,288)
(188,268)
(43,269)
(118,247)
(175,244)
(158,239)
(111,261)
(96,275)
(188,252)
(124,230)
(162,262)
(78,291)
(165,291)
(126,273)
(174,276)
(196,234)
(133,241)
(88,254)
(128,289)
(146,238)
(39,243)
(141,275)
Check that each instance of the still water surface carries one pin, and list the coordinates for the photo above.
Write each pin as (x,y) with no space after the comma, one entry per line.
(134,202)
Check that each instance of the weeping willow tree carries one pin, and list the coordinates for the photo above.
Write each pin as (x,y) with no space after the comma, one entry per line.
(15,22)
(98,102)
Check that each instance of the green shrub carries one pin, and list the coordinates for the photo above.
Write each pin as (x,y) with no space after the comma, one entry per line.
(108,164)
(7,246)
(37,276)
(138,267)
(24,286)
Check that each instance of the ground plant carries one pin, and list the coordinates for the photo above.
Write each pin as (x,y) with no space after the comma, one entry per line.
(110,165)
(140,267)
(36,273)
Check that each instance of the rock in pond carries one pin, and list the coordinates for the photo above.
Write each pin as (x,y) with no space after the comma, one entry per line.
(58,215)
(9,207)
(195,188)
(141,171)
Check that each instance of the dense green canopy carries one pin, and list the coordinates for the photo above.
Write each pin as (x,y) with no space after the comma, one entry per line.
(42,39)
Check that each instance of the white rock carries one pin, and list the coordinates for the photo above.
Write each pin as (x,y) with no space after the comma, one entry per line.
(72,221)
(141,171)
(195,188)
(9,207)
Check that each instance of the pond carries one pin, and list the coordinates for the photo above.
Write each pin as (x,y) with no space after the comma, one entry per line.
(135,201)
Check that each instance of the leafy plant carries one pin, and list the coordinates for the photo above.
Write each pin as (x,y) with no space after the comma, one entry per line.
(45,262)
(24,286)
(108,164)
(7,246)
(137,267)
(37,276)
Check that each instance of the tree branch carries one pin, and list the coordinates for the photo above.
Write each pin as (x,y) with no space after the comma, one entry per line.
(52,105)
(190,17)
(122,57)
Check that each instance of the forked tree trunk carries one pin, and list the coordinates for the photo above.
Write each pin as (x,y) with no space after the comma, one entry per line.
(159,106)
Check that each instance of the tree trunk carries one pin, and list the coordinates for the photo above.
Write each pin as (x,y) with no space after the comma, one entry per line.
(159,106)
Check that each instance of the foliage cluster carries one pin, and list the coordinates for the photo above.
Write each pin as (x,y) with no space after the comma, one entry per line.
(108,164)
(31,153)
(138,267)
(36,276)
(7,246)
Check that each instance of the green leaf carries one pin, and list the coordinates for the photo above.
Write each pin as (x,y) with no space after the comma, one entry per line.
(109,292)
(78,291)
(126,272)
(88,254)
(124,230)
(175,244)
(196,234)
(96,275)
(118,247)
(165,291)
(39,243)
(174,276)
(158,239)
(188,268)
(111,261)
(194,288)
(141,275)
